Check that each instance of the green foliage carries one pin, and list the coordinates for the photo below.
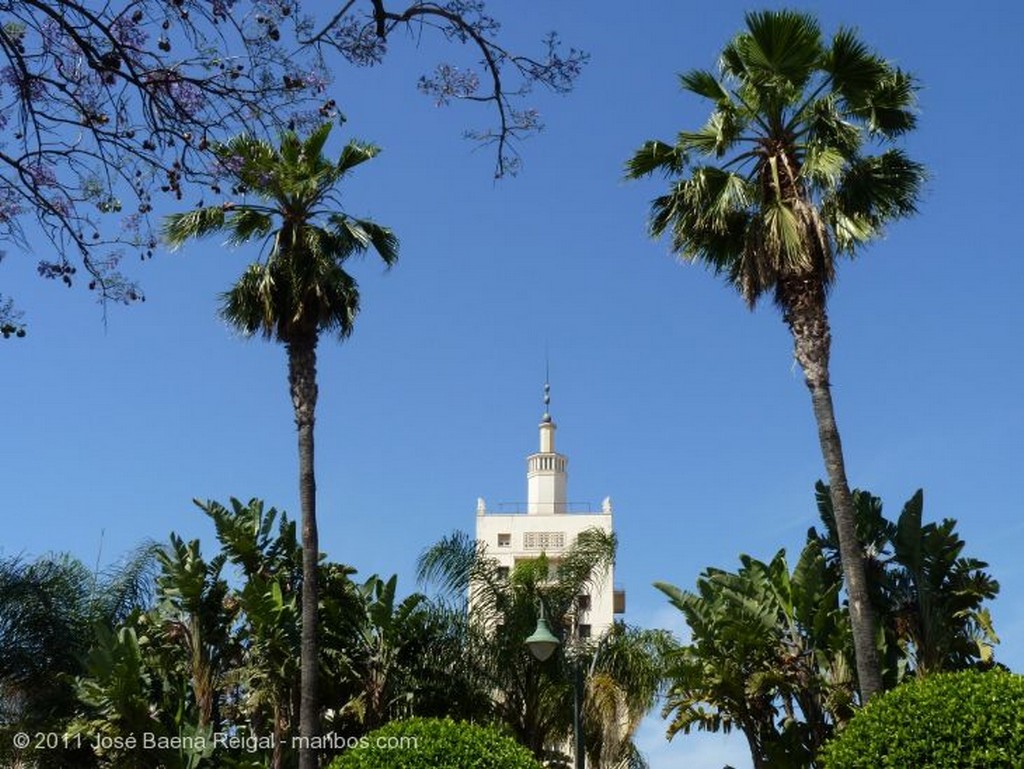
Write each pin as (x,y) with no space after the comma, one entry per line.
(779,179)
(766,642)
(214,648)
(771,653)
(219,652)
(945,721)
(293,207)
(372,642)
(53,611)
(927,594)
(427,743)
(625,676)
(208,657)
(124,696)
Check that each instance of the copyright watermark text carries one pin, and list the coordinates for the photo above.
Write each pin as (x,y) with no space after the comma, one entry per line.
(239,741)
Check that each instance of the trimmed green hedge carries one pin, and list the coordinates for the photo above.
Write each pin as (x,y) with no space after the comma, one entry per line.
(966,720)
(434,743)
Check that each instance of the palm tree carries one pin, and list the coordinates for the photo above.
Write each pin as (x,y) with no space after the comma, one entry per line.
(298,291)
(625,678)
(777,184)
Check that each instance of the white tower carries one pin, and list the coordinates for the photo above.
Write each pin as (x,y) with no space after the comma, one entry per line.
(545,525)
(546,470)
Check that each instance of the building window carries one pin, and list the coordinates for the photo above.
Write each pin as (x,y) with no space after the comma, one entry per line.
(543,540)
(583,602)
(583,631)
(504,540)
(503,572)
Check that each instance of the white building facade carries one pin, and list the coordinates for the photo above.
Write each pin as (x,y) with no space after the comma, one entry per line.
(547,525)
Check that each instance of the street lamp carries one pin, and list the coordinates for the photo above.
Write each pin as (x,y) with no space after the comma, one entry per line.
(543,644)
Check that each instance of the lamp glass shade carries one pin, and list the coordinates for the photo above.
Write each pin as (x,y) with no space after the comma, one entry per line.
(543,642)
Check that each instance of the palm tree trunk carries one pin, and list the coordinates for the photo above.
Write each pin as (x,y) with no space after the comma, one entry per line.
(277,756)
(803,302)
(302,380)
(755,741)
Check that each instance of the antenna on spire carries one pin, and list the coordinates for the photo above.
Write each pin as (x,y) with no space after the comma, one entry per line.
(547,388)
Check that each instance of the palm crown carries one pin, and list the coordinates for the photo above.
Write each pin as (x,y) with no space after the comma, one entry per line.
(779,179)
(300,288)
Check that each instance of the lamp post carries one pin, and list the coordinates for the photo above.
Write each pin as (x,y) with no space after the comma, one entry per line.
(543,644)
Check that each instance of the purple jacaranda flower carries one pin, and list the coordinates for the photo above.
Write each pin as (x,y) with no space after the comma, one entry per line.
(449,83)
(187,97)
(27,85)
(359,43)
(42,175)
(10,204)
(128,32)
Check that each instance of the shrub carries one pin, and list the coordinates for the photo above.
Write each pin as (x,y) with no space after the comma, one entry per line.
(965,720)
(433,743)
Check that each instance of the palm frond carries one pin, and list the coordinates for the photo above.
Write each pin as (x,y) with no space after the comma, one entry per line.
(823,165)
(450,563)
(384,241)
(715,195)
(825,125)
(704,83)
(855,71)
(290,149)
(849,229)
(784,239)
(198,223)
(879,189)
(656,156)
(779,48)
(127,585)
(313,147)
(355,153)
(251,305)
(889,108)
(337,301)
(586,562)
(716,137)
(246,223)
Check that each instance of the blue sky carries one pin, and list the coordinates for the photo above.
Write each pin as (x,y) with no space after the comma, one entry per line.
(670,396)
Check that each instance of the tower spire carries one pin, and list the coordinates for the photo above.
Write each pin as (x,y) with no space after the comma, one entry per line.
(547,394)
(546,470)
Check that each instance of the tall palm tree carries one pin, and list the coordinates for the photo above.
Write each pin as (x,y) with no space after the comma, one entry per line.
(297,291)
(777,184)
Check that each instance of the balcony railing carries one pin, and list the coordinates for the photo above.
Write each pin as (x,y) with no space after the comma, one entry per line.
(522,508)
